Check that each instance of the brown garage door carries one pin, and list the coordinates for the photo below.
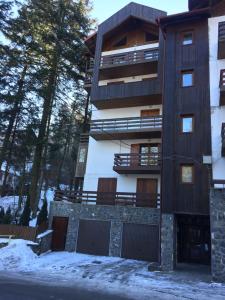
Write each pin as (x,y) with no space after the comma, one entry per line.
(140,242)
(93,237)
(59,227)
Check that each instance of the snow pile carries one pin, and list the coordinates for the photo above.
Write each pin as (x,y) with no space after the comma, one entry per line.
(17,255)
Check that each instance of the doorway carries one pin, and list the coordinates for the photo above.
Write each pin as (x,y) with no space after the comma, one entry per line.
(193,239)
(59,227)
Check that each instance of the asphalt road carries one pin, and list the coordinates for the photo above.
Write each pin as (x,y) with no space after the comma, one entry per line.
(18,289)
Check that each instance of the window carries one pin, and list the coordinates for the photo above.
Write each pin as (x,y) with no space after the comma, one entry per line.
(187,78)
(187,174)
(187,38)
(187,124)
(121,42)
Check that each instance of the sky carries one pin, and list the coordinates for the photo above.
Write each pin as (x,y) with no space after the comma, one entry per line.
(103,9)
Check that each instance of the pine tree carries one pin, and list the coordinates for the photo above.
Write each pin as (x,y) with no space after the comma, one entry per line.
(7,219)
(25,217)
(43,214)
(64,25)
(2,214)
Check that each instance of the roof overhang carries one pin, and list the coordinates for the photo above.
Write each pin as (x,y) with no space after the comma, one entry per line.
(182,17)
(197,4)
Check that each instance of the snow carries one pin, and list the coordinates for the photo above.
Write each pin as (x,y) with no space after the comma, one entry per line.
(11,201)
(109,274)
(44,234)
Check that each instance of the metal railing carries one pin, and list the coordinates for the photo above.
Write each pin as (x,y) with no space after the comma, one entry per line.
(104,198)
(137,159)
(132,57)
(124,124)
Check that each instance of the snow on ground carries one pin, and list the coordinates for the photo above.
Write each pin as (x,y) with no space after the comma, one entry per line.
(114,275)
(11,201)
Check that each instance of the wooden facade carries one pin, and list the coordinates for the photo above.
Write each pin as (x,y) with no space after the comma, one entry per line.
(139,91)
(186,149)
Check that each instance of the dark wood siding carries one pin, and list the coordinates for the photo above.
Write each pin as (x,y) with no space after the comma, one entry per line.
(140,242)
(186,148)
(59,227)
(93,237)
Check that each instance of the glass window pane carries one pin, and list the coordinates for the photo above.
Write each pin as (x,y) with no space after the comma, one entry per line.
(187,174)
(187,79)
(187,124)
(187,38)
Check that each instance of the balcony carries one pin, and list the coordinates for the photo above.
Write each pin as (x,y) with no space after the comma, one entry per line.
(223,139)
(145,92)
(132,63)
(126,128)
(100,198)
(222,87)
(140,163)
(221,41)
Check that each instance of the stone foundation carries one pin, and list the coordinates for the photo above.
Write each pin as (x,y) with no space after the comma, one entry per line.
(217,212)
(117,215)
(167,242)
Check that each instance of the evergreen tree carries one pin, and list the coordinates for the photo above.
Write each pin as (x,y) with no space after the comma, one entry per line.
(2,214)
(43,214)
(25,217)
(7,219)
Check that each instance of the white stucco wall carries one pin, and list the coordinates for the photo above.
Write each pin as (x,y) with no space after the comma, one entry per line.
(127,112)
(217,112)
(100,159)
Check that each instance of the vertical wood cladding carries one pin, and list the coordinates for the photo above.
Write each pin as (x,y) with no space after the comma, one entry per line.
(133,10)
(181,148)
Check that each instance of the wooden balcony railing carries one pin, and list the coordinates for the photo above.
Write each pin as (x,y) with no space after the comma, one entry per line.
(124,124)
(100,198)
(137,160)
(221,35)
(222,79)
(128,58)
(223,139)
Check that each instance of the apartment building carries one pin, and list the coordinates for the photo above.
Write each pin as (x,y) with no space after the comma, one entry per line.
(154,150)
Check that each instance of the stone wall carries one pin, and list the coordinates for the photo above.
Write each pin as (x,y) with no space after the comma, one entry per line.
(217,207)
(117,215)
(167,242)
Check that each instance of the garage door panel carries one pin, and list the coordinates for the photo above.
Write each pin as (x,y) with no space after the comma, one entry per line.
(140,242)
(93,237)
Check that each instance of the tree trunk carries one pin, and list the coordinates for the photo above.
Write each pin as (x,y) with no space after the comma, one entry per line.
(42,138)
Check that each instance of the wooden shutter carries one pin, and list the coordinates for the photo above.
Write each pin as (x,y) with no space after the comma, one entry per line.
(150,112)
(135,149)
(149,187)
(106,191)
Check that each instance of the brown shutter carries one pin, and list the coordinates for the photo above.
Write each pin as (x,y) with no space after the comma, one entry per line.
(135,149)
(149,187)
(150,112)
(106,191)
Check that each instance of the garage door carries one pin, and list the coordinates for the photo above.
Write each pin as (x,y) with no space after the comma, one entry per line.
(93,237)
(140,242)
(59,227)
